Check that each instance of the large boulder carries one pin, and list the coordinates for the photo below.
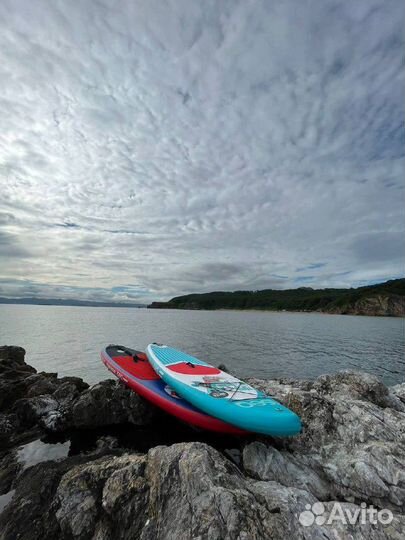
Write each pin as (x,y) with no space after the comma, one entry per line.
(352,447)
(44,411)
(13,375)
(188,490)
(110,402)
(104,499)
(30,515)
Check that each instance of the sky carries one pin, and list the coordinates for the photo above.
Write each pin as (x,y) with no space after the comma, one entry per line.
(153,148)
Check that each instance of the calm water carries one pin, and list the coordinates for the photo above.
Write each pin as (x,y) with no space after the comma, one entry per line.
(68,339)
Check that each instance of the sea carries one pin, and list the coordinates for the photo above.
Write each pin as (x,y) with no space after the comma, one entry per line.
(68,340)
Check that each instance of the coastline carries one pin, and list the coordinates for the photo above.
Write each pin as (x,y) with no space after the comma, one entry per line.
(279,311)
(384,299)
(123,469)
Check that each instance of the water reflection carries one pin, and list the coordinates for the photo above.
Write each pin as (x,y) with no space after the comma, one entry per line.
(5,499)
(37,451)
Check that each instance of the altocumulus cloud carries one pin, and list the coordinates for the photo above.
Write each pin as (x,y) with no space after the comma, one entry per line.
(153,148)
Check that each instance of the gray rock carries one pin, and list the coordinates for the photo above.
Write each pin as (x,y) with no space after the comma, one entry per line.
(9,424)
(70,387)
(352,448)
(29,399)
(399,391)
(13,353)
(110,402)
(183,491)
(9,469)
(13,373)
(44,411)
(106,495)
(356,385)
(31,513)
(41,383)
(267,463)
(188,490)
(194,492)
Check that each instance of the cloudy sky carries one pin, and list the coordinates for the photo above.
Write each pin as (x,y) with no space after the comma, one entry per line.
(153,148)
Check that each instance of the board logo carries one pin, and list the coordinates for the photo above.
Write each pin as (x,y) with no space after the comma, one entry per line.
(248,403)
(219,387)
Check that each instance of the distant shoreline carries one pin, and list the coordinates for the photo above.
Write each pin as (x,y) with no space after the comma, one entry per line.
(65,303)
(235,310)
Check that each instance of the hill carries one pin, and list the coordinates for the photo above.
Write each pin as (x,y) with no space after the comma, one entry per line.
(383,299)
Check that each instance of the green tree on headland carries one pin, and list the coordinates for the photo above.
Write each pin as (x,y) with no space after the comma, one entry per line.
(382,299)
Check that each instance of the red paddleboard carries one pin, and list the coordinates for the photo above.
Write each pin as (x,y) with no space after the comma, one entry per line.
(134,369)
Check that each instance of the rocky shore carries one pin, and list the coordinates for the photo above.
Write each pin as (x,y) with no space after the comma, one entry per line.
(80,462)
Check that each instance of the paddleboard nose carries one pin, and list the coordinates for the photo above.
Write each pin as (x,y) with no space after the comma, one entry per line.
(289,424)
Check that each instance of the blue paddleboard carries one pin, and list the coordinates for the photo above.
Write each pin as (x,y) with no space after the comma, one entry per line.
(221,395)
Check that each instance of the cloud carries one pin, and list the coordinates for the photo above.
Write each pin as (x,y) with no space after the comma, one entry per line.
(176,147)
(10,247)
(374,247)
(312,266)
